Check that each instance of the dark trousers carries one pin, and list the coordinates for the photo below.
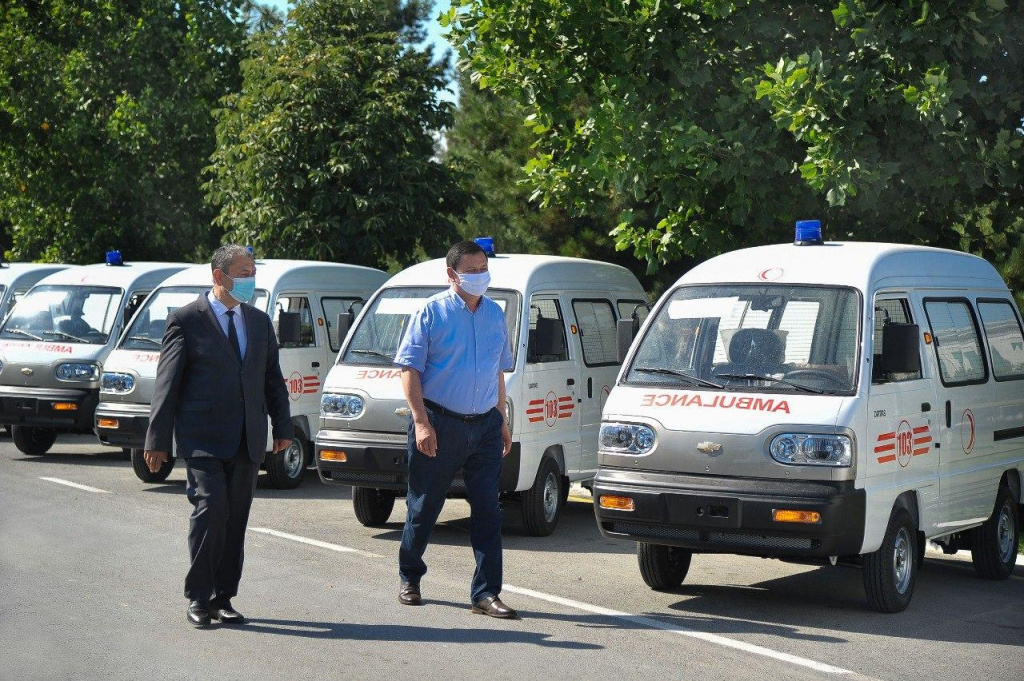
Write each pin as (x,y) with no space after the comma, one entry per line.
(476,449)
(221,491)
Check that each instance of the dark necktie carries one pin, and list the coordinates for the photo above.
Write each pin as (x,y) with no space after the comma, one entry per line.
(233,334)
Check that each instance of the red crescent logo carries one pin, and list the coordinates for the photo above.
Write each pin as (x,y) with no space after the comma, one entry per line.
(969,422)
(770,274)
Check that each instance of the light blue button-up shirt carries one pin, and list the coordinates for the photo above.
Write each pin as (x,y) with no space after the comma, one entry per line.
(457,352)
(220,312)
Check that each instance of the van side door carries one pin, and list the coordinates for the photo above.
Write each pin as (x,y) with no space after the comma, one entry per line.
(302,363)
(549,379)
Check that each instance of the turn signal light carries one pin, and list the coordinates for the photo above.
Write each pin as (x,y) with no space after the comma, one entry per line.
(107,423)
(785,516)
(616,503)
(65,406)
(333,455)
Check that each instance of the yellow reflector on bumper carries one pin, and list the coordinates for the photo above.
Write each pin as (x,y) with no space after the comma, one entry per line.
(616,503)
(786,516)
(333,455)
(65,406)
(108,423)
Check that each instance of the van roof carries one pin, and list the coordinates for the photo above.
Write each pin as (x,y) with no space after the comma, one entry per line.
(272,273)
(11,272)
(862,265)
(522,272)
(122,276)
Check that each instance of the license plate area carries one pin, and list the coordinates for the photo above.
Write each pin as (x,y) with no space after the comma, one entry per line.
(21,405)
(703,511)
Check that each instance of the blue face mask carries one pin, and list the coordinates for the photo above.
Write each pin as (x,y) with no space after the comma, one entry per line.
(243,289)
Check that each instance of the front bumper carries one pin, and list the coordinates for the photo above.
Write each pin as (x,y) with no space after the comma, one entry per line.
(379,462)
(712,514)
(132,422)
(40,407)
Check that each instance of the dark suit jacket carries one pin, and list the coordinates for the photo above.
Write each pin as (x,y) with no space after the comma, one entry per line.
(204,395)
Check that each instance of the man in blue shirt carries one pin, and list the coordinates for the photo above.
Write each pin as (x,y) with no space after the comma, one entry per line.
(452,357)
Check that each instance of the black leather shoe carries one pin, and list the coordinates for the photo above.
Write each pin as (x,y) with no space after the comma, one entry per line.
(220,609)
(493,607)
(198,613)
(409,594)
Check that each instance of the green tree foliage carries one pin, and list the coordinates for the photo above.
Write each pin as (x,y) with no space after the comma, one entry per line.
(328,151)
(725,121)
(105,123)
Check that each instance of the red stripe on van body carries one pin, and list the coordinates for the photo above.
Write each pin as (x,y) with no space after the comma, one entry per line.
(887,459)
(885,448)
(922,440)
(887,436)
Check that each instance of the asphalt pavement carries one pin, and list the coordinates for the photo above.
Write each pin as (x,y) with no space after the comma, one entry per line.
(92,563)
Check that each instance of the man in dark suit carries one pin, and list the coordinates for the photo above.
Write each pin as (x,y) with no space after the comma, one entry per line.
(217,380)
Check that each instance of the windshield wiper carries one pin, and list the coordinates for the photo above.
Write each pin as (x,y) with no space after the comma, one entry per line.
(765,377)
(68,336)
(146,339)
(21,332)
(681,374)
(374,353)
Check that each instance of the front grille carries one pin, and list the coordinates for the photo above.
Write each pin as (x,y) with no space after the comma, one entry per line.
(716,539)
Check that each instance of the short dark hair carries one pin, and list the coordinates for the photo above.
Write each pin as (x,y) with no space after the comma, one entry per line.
(460,249)
(225,255)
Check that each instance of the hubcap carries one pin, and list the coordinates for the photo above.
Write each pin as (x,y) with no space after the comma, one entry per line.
(550,497)
(294,459)
(1005,533)
(902,563)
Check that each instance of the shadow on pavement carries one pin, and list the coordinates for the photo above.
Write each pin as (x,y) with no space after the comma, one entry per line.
(107,458)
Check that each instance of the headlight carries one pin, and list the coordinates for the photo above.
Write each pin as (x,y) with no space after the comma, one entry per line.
(113,382)
(345,406)
(74,371)
(626,438)
(807,449)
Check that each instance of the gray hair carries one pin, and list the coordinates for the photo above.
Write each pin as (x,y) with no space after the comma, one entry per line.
(225,255)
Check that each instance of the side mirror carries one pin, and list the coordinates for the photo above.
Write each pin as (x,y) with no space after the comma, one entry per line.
(626,330)
(345,320)
(901,348)
(289,328)
(548,338)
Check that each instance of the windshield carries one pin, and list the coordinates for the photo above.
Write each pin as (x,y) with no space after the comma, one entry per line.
(147,327)
(743,337)
(70,314)
(380,330)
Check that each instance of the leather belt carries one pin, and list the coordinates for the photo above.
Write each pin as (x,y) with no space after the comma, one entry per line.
(465,418)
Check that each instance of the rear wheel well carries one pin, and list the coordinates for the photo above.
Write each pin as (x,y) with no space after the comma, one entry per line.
(1011,480)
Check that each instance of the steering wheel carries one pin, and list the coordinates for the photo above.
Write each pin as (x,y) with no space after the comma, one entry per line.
(817,373)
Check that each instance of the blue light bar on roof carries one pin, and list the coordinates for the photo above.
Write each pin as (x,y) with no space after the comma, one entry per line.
(486,243)
(114,258)
(808,233)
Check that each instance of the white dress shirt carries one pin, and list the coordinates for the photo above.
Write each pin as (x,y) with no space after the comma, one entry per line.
(220,312)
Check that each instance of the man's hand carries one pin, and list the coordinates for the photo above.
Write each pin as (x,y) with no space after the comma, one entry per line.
(281,444)
(506,438)
(154,459)
(426,438)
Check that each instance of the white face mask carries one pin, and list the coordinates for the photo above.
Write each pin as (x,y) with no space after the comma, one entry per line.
(475,284)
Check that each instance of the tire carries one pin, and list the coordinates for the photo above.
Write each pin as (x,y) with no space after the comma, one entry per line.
(891,572)
(33,441)
(142,471)
(372,506)
(287,468)
(994,544)
(662,567)
(542,503)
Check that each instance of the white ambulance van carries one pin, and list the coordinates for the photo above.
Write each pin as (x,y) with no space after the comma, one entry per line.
(54,342)
(304,298)
(842,402)
(561,315)
(18,277)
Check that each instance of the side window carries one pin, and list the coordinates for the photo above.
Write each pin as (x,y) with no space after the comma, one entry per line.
(332,308)
(547,333)
(134,301)
(889,311)
(1005,340)
(596,319)
(956,342)
(628,307)
(300,304)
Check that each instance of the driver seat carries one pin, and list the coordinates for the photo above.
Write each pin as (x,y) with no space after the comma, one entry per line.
(759,351)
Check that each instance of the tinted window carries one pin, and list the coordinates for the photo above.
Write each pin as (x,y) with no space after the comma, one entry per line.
(596,321)
(956,342)
(546,321)
(890,311)
(1005,340)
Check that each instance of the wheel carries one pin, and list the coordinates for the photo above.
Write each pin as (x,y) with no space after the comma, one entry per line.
(542,503)
(286,468)
(891,571)
(662,567)
(33,441)
(994,544)
(372,506)
(142,470)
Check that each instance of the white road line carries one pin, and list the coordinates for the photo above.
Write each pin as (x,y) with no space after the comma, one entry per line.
(682,631)
(61,481)
(313,542)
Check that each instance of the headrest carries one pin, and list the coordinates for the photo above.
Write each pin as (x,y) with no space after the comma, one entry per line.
(757,346)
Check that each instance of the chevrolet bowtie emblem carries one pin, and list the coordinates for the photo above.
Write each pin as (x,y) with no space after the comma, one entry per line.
(27,371)
(708,447)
